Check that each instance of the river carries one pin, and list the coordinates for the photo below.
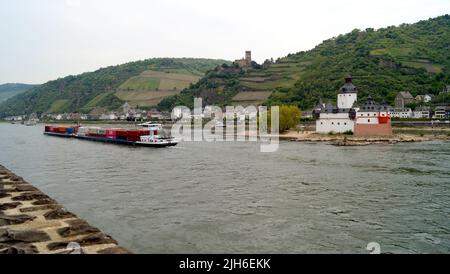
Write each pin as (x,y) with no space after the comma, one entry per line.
(228,197)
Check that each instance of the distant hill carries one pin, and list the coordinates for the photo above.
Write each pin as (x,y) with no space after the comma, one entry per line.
(143,83)
(410,57)
(11,89)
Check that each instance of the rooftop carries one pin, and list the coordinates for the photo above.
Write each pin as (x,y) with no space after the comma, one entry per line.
(405,95)
(372,106)
(348,87)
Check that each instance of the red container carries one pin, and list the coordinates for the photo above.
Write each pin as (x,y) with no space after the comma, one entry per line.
(96,135)
(133,132)
(135,135)
(111,134)
(59,129)
(121,133)
(144,132)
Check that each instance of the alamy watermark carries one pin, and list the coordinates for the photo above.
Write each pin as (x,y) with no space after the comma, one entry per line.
(238,123)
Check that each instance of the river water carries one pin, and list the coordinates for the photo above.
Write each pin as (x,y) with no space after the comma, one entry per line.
(228,197)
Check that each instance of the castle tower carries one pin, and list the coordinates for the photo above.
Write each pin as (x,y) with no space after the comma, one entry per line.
(248,58)
(348,94)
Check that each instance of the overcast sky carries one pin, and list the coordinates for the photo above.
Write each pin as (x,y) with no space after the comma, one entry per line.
(42,40)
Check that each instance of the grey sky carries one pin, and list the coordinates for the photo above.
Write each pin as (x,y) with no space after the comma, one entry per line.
(42,40)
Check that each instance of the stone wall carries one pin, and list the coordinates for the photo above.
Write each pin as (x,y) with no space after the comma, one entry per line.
(31,222)
(365,130)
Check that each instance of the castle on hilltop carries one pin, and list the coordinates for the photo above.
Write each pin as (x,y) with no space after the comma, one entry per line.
(245,62)
(372,119)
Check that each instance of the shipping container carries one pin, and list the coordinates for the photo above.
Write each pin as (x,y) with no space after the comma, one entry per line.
(121,133)
(93,130)
(70,130)
(82,131)
(112,133)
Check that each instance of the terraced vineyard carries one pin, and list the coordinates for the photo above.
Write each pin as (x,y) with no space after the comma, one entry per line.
(143,83)
(246,98)
(410,57)
(150,87)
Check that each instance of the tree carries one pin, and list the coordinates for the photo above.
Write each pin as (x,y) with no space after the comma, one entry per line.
(412,106)
(289,117)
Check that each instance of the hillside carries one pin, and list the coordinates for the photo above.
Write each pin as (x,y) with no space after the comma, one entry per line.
(413,57)
(11,89)
(143,83)
(150,87)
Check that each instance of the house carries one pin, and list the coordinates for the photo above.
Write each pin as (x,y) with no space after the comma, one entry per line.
(403,99)
(154,115)
(424,98)
(307,114)
(442,112)
(14,118)
(126,108)
(74,116)
(93,117)
(446,89)
(402,113)
(422,113)
(109,116)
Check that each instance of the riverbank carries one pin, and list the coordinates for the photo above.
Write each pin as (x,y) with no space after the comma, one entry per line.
(31,223)
(403,136)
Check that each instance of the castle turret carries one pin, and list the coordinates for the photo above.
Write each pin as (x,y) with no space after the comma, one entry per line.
(348,94)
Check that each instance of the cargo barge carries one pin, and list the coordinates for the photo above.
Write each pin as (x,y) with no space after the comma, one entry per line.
(151,135)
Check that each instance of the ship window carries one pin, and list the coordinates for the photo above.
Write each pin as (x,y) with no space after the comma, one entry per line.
(332,123)
(339,124)
(321,123)
(368,120)
(345,123)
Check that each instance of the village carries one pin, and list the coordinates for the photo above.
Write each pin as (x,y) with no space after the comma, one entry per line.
(346,116)
(422,110)
(125,114)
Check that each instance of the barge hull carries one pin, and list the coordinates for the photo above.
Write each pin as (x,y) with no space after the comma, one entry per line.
(55,134)
(112,141)
(124,142)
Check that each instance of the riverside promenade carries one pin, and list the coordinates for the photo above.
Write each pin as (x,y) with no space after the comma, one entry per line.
(32,223)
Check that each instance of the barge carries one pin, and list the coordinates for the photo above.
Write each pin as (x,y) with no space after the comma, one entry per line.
(150,135)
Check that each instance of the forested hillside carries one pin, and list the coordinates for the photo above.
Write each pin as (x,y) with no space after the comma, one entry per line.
(11,89)
(93,90)
(409,57)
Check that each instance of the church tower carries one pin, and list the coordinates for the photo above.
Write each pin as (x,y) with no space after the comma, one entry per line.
(348,94)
